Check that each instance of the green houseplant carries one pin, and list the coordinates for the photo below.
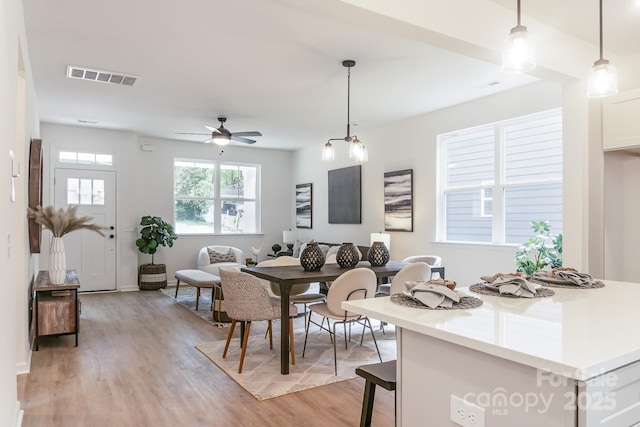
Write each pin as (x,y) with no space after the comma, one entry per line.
(542,250)
(155,232)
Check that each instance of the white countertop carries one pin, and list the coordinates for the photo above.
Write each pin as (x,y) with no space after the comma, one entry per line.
(578,333)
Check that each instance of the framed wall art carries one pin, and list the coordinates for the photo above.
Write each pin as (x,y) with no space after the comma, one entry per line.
(398,200)
(304,205)
(345,195)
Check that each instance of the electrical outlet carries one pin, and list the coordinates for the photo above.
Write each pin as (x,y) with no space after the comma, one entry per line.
(466,414)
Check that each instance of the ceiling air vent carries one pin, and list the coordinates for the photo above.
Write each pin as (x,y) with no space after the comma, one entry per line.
(100,76)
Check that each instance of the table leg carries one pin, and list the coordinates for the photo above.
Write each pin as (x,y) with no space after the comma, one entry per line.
(284,331)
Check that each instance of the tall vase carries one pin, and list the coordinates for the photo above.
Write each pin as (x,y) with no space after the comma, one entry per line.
(57,262)
(347,255)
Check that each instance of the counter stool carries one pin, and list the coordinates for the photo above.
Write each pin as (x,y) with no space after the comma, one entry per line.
(382,374)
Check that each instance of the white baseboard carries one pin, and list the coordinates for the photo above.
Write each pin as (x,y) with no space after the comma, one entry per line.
(18,415)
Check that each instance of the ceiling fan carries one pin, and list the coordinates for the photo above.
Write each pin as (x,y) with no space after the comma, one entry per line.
(222,136)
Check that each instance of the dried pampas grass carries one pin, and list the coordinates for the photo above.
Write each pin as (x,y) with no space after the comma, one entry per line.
(61,222)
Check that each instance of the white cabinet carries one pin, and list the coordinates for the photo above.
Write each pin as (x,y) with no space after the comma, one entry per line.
(621,122)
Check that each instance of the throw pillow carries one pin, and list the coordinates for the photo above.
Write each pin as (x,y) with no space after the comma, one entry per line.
(301,247)
(297,246)
(215,256)
(332,250)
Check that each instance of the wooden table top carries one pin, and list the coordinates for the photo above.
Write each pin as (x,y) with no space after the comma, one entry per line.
(43,283)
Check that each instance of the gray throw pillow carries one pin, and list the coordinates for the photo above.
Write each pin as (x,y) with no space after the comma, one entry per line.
(215,256)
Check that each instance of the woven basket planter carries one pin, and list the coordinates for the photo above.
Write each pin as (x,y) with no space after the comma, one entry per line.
(152,276)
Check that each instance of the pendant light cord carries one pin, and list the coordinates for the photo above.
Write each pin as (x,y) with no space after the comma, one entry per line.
(519,13)
(348,102)
(601,52)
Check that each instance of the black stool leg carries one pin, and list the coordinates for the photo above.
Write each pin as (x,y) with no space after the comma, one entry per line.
(367,404)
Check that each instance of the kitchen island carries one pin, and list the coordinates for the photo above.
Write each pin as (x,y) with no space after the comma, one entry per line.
(571,359)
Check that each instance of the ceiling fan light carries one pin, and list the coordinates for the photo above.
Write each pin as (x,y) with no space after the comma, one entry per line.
(603,80)
(518,51)
(328,152)
(221,139)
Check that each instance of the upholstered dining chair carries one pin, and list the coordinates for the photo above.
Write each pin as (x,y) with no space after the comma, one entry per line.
(432,260)
(298,293)
(359,283)
(419,271)
(247,301)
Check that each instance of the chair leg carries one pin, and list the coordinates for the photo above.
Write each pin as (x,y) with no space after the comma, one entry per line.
(367,404)
(374,338)
(306,334)
(244,346)
(345,334)
(335,352)
(291,346)
(226,347)
(270,330)
(177,286)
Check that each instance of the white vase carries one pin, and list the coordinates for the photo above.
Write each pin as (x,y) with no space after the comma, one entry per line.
(57,262)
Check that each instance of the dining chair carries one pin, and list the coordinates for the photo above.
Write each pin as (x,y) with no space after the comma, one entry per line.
(417,271)
(432,260)
(247,301)
(298,293)
(359,283)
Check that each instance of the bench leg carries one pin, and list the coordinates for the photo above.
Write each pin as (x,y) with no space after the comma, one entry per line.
(367,404)
(197,297)
(177,286)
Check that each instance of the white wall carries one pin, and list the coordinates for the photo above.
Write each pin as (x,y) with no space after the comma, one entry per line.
(145,187)
(18,123)
(411,144)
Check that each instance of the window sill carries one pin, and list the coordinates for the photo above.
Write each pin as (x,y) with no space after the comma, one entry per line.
(477,244)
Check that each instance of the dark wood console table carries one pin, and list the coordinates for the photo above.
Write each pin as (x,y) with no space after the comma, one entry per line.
(57,308)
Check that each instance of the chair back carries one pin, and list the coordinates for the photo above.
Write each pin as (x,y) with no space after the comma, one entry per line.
(331,259)
(414,271)
(285,260)
(359,283)
(432,260)
(203,255)
(245,298)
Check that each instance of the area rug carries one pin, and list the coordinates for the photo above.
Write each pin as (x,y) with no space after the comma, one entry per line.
(261,371)
(187,299)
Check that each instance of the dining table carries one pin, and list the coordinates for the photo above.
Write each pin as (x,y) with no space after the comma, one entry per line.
(287,276)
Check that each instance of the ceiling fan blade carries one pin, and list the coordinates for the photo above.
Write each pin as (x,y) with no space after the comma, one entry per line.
(191,133)
(250,133)
(212,129)
(209,141)
(236,138)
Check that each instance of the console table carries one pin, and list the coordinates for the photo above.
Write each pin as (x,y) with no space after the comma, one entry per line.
(56,307)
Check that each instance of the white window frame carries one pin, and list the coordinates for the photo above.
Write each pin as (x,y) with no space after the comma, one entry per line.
(217,198)
(498,184)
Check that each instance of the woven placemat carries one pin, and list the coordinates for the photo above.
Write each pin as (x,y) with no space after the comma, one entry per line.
(595,285)
(465,302)
(479,288)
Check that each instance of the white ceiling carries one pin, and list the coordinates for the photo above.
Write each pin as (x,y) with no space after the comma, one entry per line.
(268,65)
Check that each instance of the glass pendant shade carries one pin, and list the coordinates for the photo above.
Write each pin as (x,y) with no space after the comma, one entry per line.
(363,156)
(518,52)
(328,152)
(603,80)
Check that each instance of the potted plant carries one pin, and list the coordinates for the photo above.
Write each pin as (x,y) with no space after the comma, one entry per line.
(543,250)
(276,248)
(155,232)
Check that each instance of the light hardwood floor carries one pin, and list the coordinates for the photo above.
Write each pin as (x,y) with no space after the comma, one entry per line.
(136,365)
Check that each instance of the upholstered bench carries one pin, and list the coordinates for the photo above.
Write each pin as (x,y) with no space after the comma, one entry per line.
(198,279)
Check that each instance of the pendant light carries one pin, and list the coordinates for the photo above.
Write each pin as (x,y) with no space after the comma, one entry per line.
(518,53)
(603,80)
(357,150)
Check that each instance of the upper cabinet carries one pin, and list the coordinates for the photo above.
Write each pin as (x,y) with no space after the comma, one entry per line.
(621,122)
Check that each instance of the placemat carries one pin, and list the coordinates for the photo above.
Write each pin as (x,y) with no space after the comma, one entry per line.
(479,288)
(465,302)
(595,285)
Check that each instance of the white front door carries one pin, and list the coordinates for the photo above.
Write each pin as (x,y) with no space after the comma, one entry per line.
(90,254)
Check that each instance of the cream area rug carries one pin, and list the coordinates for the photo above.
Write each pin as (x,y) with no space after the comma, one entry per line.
(261,371)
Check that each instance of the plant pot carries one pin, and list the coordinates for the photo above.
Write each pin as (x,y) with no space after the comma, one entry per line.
(152,276)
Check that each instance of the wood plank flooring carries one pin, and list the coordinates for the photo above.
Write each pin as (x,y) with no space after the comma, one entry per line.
(136,365)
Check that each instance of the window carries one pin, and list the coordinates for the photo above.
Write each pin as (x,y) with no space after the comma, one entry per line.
(213,197)
(85,191)
(496,179)
(85,158)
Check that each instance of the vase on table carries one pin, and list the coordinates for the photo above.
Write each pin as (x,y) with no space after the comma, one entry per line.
(312,257)
(57,262)
(347,255)
(378,255)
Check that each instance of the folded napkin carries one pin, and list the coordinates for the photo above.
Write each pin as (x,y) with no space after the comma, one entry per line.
(434,296)
(571,277)
(511,285)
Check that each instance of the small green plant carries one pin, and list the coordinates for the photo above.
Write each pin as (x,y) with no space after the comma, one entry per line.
(276,248)
(543,250)
(155,232)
